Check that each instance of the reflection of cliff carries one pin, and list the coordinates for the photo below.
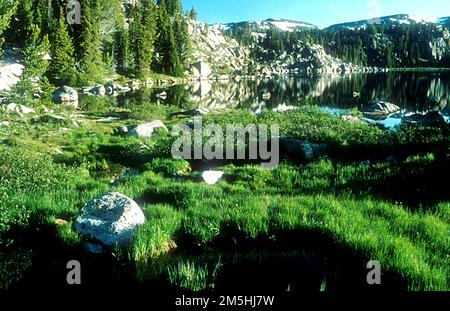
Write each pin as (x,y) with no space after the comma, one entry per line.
(220,95)
(414,91)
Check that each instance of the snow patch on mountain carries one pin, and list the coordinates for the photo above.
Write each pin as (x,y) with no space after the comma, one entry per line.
(272,23)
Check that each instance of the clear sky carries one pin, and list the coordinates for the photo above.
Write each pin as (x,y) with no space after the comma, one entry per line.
(322,13)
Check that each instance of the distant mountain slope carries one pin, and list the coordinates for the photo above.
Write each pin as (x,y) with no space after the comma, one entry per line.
(271,23)
(399,19)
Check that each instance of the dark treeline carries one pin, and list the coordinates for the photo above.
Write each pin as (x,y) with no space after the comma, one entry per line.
(133,38)
(375,45)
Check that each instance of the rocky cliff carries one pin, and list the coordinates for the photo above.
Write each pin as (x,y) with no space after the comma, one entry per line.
(214,54)
(310,58)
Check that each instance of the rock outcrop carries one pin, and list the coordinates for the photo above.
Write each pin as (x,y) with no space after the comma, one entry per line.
(214,54)
(11,68)
(310,58)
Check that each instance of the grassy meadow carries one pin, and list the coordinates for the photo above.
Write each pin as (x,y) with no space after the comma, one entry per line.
(302,227)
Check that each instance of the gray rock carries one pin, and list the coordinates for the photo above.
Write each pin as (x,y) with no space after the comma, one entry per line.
(4,123)
(147,129)
(21,110)
(352,119)
(301,150)
(66,95)
(380,108)
(111,219)
(432,118)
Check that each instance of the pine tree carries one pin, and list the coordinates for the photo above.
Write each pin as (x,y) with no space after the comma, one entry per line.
(90,43)
(182,40)
(22,24)
(7,10)
(193,14)
(143,45)
(44,16)
(62,54)
(111,22)
(389,58)
(167,60)
(122,53)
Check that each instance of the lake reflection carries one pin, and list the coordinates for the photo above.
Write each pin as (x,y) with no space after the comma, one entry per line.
(413,92)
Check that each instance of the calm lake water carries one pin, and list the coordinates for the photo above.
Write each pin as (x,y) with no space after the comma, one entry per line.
(413,92)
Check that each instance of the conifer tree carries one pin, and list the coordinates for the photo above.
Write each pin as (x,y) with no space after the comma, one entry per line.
(91,57)
(23,20)
(7,10)
(193,14)
(62,54)
(144,38)
(172,45)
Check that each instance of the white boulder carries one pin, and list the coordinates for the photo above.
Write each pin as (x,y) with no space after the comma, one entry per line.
(111,219)
(147,129)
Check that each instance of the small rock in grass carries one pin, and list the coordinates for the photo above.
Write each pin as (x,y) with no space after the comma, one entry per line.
(21,110)
(147,130)
(352,119)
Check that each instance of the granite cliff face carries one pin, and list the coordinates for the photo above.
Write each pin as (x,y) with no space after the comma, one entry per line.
(214,54)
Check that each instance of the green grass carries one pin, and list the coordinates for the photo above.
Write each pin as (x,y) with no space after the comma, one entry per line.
(189,276)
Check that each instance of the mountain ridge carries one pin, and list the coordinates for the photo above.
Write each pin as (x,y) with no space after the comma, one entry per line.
(399,19)
(270,23)
(292,25)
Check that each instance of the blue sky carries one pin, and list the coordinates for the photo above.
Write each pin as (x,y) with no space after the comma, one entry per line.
(322,13)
